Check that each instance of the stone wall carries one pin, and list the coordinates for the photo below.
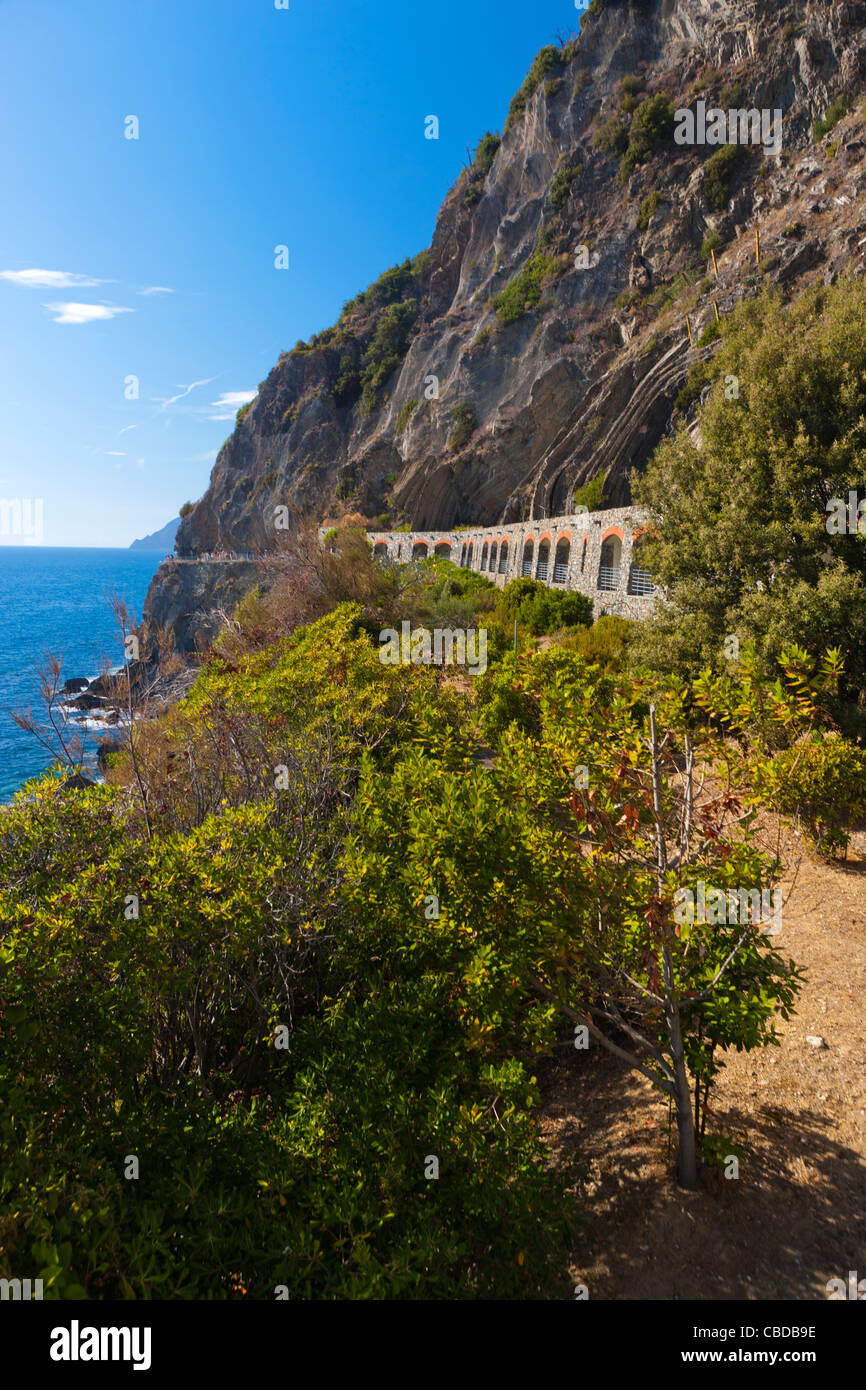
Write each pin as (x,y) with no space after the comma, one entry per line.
(573,554)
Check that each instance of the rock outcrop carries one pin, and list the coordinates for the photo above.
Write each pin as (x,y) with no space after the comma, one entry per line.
(533,356)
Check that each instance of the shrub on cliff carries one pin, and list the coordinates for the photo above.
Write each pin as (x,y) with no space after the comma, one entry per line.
(742,536)
(387,350)
(523,293)
(718,172)
(652,126)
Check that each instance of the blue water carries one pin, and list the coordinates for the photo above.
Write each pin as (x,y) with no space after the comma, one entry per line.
(56,600)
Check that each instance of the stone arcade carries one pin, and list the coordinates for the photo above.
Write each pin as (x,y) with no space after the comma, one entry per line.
(596,553)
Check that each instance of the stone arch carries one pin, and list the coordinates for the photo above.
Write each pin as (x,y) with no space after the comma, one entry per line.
(561,558)
(528,553)
(542,566)
(483,564)
(503,557)
(442,550)
(493,556)
(611,555)
(419,550)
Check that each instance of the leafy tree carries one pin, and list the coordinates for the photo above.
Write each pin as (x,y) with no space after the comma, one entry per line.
(738,536)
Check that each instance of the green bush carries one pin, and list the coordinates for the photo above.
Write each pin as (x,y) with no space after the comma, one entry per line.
(185,510)
(244,410)
(611,137)
(347,387)
(590,495)
(541,610)
(605,644)
(544,62)
(712,242)
(523,293)
(403,419)
(718,172)
(821,782)
(834,113)
(711,332)
(648,207)
(465,424)
(552,89)
(652,126)
(731,96)
(560,188)
(387,350)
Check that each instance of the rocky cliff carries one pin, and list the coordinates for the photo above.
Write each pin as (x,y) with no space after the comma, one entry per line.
(535,353)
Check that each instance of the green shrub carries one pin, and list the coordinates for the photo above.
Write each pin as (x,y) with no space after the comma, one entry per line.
(652,126)
(834,113)
(523,293)
(648,207)
(347,387)
(560,188)
(711,332)
(712,242)
(612,136)
(389,346)
(465,424)
(185,510)
(605,644)
(699,376)
(718,173)
(544,62)
(488,147)
(552,89)
(403,419)
(731,96)
(821,782)
(590,495)
(541,610)
(244,410)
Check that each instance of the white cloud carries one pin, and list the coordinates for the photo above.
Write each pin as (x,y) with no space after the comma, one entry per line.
(125,429)
(230,403)
(49,279)
(156,289)
(184,391)
(115,454)
(85,313)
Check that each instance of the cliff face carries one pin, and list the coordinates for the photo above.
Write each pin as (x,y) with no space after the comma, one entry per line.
(558,366)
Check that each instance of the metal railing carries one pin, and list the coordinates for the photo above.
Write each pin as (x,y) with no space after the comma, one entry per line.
(543,567)
(640,581)
(608,578)
(560,573)
(526,571)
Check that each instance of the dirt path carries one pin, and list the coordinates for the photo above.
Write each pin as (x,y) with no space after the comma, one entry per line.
(796,1216)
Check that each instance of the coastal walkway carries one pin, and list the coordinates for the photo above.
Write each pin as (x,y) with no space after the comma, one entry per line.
(595,553)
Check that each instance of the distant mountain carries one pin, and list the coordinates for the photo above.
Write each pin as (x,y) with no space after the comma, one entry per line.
(160,540)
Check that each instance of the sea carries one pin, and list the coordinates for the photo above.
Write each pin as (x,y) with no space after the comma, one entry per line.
(57,600)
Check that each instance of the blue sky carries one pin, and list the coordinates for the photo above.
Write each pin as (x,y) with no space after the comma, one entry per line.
(257,127)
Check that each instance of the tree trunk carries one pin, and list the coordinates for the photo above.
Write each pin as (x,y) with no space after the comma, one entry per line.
(687,1158)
